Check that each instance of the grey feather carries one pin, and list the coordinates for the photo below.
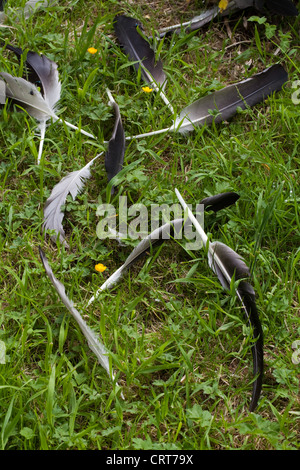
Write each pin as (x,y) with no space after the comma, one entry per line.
(71,184)
(95,345)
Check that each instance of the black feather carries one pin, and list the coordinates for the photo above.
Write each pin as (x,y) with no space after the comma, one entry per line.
(33,64)
(219,201)
(138,49)
(114,156)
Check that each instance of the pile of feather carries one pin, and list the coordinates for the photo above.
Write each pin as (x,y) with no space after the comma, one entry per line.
(38,93)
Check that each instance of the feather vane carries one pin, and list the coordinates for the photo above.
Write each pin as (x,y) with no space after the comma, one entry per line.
(71,184)
(226,101)
(95,345)
(139,50)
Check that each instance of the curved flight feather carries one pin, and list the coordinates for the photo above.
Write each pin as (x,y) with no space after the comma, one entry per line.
(223,104)
(228,265)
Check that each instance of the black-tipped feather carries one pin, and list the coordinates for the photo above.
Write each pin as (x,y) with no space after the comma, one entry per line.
(226,101)
(41,71)
(227,264)
(139,51)
(31,75)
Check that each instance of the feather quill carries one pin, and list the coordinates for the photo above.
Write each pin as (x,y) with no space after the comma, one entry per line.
(2,92)
(95,345)
(114,156)
(228,265)
(70,184)
(223,104)
(139,50)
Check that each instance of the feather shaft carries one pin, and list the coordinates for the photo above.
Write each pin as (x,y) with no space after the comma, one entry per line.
(191,25)
(42,139)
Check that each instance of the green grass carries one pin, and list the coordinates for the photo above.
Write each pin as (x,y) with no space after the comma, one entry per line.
(180,347)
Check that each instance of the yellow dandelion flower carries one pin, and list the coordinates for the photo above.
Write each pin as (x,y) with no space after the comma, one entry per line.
(223,4)
(100,268)
(146,89)
(92,50)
